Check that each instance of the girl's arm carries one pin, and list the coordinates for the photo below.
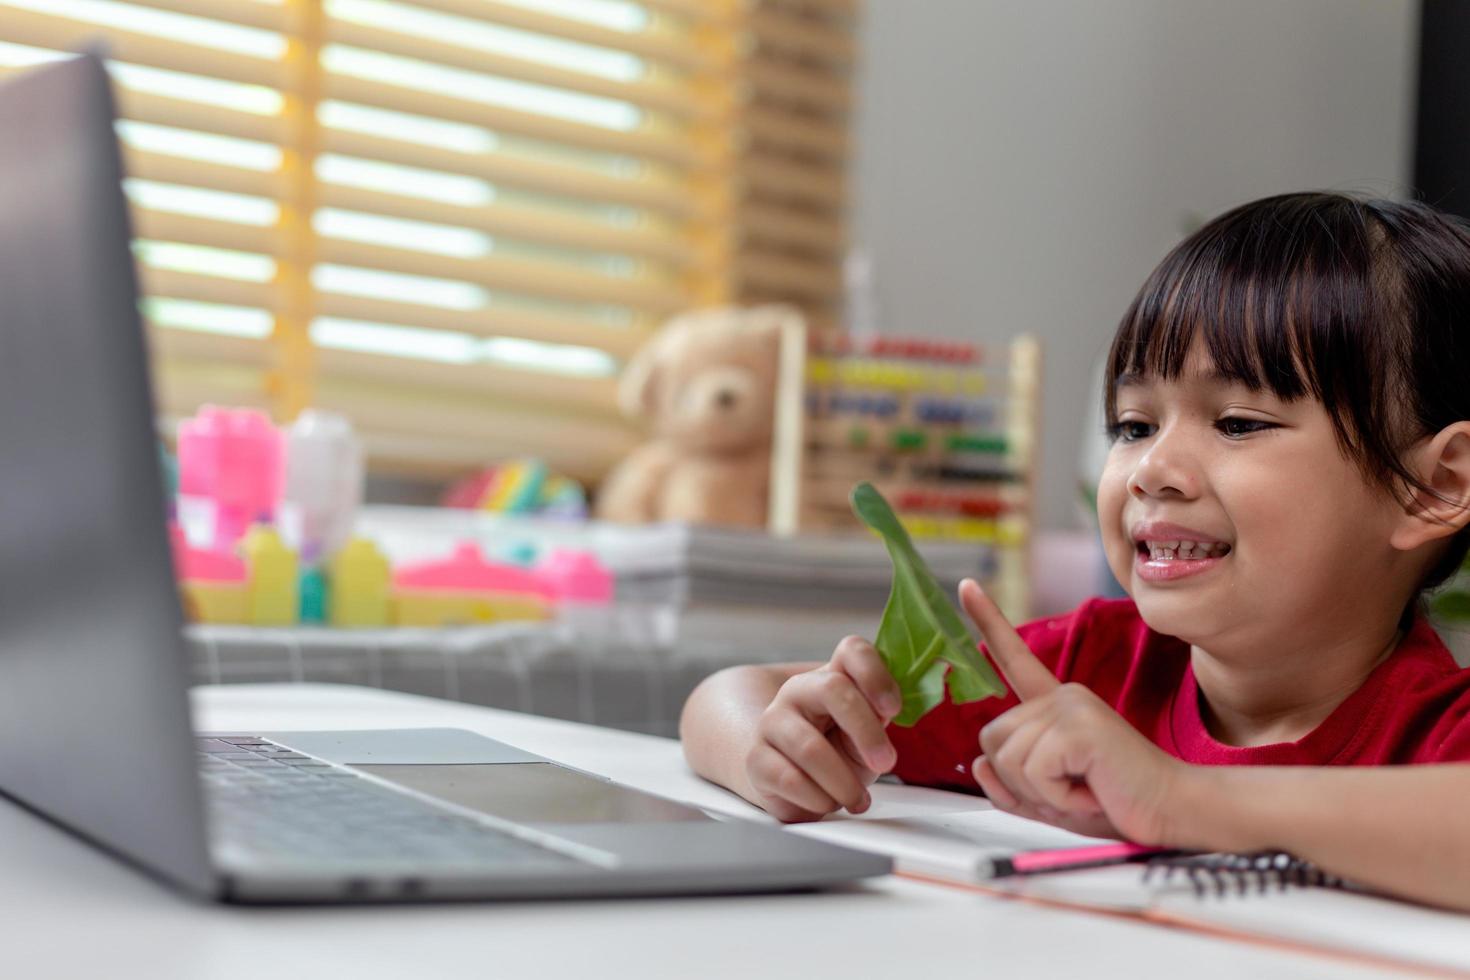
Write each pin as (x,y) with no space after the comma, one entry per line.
(1065,757)
(1404,829)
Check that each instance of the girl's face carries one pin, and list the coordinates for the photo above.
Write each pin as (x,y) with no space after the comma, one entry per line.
(1231,516)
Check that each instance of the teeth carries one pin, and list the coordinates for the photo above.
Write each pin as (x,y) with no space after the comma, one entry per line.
(1170,550)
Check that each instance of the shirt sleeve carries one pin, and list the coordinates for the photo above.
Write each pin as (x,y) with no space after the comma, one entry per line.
(938,750)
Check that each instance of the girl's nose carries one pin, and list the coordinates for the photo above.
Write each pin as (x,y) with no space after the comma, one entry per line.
(1167,469)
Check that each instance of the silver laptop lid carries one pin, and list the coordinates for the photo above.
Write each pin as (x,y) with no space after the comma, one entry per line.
(94,727)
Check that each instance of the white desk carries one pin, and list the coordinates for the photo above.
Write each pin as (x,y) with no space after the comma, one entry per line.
(68,911)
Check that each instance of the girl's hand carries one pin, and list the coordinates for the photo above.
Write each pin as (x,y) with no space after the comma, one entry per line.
(822,740)
(1063,756)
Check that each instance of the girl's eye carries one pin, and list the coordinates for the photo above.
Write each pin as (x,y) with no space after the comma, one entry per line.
(1130,431)
(1234,426)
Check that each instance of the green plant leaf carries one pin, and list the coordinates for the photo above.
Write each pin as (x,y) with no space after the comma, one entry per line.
(921,633)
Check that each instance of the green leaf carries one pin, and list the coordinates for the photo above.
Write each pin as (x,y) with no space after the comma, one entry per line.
(921,632)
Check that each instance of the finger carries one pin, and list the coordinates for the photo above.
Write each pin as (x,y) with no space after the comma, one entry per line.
(1003,726)
(860,660)
(996,792)
(1010,759)
(1027,676)
(1076,759)
(1081,801)
(1086,824)
(776,779)
(788,812)
(831,696)
(811,752)
(999,796)
(994,788)
(1053,783)
(846,747)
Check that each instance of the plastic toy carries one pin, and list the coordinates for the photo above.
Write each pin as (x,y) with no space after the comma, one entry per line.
(272,585)
(576,576)
(516,487)
(359,586)
(313,590)
(212,585)
(323,484)
(465,588)
(522,553)
(231,464)
(520,487)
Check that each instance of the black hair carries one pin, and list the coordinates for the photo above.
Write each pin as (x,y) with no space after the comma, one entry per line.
(1363,305)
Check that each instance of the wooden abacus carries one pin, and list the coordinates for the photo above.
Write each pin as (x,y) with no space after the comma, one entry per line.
(945,430)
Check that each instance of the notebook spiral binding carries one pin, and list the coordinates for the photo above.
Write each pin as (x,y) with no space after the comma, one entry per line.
(1220,875)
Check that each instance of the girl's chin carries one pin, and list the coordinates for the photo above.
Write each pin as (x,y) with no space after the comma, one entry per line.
(1164,614)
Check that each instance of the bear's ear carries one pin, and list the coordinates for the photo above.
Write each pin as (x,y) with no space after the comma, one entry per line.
(773,321)
(638,384)
(774,317)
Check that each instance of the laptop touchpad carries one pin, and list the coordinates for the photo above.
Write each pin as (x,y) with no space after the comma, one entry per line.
(534,792)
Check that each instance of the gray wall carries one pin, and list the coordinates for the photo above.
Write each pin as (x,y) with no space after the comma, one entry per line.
(1022,165)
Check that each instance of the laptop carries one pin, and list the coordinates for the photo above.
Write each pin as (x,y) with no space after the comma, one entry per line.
(94,722)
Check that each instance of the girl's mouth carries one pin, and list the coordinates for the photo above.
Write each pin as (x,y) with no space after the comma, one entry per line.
(1165,561)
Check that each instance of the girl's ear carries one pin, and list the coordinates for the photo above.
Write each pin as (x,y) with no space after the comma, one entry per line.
(1443,462)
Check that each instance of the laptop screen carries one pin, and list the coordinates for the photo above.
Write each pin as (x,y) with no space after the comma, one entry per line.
(93,711)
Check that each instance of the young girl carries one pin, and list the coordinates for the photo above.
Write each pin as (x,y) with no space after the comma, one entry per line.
(1288,400)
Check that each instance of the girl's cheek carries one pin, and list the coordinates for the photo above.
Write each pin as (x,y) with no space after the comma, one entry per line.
(1120,563)
(1112,493)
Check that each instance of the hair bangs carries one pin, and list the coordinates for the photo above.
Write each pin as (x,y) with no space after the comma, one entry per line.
(1281,298)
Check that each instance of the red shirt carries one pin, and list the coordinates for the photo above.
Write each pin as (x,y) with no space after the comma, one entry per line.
(1413,708)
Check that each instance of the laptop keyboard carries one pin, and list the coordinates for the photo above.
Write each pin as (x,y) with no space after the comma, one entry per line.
(274,803)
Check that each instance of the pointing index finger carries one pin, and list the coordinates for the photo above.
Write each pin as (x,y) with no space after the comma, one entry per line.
(1028,677)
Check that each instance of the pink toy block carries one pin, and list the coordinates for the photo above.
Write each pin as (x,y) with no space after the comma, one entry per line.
(200,565)
(236,459)
(576,576)
(466,570)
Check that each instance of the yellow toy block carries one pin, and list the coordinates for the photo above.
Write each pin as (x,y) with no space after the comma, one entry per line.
(272,583)
(215,602)
(413,607)
(358,593)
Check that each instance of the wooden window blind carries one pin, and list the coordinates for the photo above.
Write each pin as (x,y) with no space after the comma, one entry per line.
(453,219)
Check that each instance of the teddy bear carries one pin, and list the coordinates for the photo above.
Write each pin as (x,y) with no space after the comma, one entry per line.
(705,384)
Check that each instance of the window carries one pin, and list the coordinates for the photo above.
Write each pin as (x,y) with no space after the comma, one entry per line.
(452,219)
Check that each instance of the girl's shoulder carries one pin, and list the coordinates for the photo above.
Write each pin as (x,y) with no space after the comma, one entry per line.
(1423,651)
(1420,701)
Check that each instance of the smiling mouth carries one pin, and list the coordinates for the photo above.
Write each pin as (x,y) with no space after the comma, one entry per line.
(1178,550)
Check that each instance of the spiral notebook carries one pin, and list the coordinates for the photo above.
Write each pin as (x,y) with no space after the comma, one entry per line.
(1270,898)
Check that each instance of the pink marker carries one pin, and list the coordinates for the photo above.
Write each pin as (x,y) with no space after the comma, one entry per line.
(1070,859)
